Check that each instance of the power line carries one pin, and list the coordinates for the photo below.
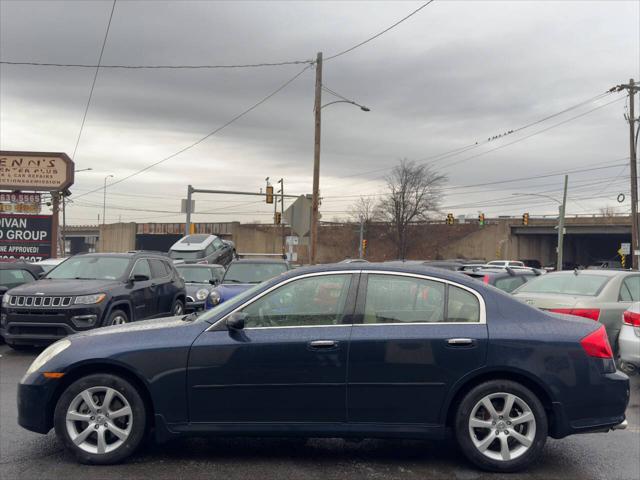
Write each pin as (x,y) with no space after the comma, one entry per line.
(202,139)
(160,67)
(380,33)
(93,84)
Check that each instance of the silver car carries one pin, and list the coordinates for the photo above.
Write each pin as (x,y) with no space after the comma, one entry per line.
(629,340)
(600,295)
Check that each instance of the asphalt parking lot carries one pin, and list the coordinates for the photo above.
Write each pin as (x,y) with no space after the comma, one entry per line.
(26,455)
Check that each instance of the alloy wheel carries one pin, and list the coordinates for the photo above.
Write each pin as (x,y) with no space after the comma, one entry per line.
(99,420)
(118,320)
(177,309)
(502,426)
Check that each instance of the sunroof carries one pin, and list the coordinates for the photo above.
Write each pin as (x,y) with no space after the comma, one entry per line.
(194,239)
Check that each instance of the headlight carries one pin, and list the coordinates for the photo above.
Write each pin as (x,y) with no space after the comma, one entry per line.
(90,299)
(202,294)
(48,354)
(5,300)
(214,297)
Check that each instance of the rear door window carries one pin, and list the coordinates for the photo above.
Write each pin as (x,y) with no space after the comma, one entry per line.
(509,284)
(463,306)
(630,289)
(158,268)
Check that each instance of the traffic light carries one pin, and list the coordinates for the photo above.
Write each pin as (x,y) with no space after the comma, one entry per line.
(278,218)
(269,194)
(364,247)
(481,219)
(450,219)
(525,219)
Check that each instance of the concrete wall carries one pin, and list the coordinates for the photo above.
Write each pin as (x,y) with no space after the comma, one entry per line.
(117,237)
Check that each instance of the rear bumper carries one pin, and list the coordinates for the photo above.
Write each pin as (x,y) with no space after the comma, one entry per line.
(602,409)
(629,345)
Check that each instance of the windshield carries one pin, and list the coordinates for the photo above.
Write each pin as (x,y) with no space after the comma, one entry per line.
(587,285)
(13,278)
(197,275)
(91,268)
(186,254)
(229,304)
(252,272)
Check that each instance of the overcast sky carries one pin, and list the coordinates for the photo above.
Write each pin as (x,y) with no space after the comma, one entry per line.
(456,73)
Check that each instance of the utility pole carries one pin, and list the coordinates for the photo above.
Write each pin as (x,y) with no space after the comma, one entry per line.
(632,88)
(563,211)
(315,201)
(360,252)
(64,224)
(281,192)
(187,225)
(55,223)
(634,177)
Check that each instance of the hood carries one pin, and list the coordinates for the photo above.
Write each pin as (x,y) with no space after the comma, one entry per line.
(134,327)
(229,290)
(64,287)
(548,300)
(192,288)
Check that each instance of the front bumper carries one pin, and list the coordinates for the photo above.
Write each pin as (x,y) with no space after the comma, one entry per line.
(34,408)
(194,306)
(42,326)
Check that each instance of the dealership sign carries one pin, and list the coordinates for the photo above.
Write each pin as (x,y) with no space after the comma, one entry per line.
(38,171)
(26,237)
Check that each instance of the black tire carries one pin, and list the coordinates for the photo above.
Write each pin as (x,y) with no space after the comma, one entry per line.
(177,308)
(138,419)
(464,435)
(116,317)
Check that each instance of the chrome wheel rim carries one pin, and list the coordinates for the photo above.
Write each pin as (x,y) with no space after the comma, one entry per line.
(502,426)
(118,320)
(177,309)
(99,420)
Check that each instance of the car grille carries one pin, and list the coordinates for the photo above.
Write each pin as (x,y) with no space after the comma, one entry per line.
(190,300)
(39,301)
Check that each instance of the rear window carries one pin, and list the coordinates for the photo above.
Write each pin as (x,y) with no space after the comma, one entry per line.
(586,285)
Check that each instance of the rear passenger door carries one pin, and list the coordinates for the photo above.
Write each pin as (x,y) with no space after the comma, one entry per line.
(413,338)
(143,291)
(162,285)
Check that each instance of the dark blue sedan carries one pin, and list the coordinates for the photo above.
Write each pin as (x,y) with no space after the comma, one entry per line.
(351,350)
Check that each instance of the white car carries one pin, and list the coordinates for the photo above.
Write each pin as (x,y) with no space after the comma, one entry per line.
(49,263)
(506,263)
(629,340)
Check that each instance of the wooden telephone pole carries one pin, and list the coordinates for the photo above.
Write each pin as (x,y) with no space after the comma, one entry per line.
(315,201)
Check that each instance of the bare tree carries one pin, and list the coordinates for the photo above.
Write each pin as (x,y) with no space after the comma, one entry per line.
(414,192)
(608,211)
(362,210)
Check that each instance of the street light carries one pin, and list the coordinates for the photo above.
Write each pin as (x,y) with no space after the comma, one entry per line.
(315,199)
(104,198)
(562,207)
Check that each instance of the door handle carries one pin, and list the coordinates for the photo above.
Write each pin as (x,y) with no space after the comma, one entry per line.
(323,344)
(460,342)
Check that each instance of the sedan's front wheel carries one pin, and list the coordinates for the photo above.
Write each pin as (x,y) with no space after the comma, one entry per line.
(501,426)
(101,418)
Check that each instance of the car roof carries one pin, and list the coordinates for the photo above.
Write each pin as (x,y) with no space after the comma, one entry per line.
(199,265)
(20,266)
(259,260)
(417,268)
(608,272)
(194,242)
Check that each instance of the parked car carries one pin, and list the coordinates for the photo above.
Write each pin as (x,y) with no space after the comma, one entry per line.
(629,340)
(203,248)
(506,279)
(600,295)
(243,274)
(532,263)
(345,350)
(89,291)
(199,281)
(13,274)
(605,264)
(49,263)
(506,263)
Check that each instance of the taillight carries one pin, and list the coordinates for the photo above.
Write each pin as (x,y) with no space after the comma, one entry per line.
(202,262)
(485,279)
(631,318)
(590,313)
(596,344)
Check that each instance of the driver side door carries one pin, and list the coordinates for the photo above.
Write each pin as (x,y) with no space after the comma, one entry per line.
(143,291)
(287,365)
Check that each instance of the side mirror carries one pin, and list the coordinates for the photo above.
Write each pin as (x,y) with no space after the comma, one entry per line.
(214,281)
(41,275)
(235,321)
(138,277)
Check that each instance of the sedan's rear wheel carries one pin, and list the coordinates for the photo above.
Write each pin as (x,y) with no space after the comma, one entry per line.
(100,418)
(501,426)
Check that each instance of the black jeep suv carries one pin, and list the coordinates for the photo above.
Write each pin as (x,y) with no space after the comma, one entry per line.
(89,291)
